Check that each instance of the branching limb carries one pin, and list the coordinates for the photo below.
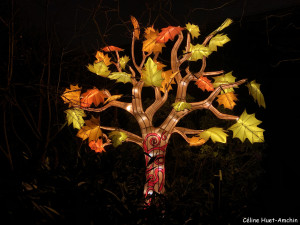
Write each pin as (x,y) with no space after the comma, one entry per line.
(130,136)
(123,105)
(213,73)
(132,54)
(159,101)
(187,49)
(183,84)
(184,131)
(174,60)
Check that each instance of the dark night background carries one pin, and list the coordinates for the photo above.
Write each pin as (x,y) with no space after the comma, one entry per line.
(49,177)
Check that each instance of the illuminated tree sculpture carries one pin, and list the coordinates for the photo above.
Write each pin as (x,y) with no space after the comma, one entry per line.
(150,73)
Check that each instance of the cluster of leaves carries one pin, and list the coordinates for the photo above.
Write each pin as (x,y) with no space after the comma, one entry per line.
(153,75)
(92,129)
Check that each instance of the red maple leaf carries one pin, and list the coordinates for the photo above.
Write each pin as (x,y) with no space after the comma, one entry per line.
(112,48)
(97,146)
(168,33)
(92,96)
(204,84)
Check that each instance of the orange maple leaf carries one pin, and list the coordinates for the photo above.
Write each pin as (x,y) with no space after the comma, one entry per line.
(112,48)
(196,141)
(72,95)
(97,146)
(91,131)
(136,26)
(204,84)
(150,44)
(101,57)
(227,100)
(168,33)
(92,96)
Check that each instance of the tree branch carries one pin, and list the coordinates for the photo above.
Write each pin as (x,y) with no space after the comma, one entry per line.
(184,131)
(183,84)
(132,55)
(123,105)
(159,101)
(130,136)
(187,49)
(174,60)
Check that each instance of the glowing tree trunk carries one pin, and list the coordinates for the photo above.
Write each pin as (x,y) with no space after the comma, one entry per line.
(153,140)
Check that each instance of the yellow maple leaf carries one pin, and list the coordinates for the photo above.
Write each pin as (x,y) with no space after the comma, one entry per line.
(227,100)
(112,98)
(72,95)
(193,29)
(101,57)
(91,131)
(247,127)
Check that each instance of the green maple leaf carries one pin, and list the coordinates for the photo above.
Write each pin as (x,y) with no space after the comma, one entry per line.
(224,79)
(216,134)
(254,90)
(180,106)
(225,24)
(151,75)
(120,77)
(74,116)
(99,68)
(117,137)
(123,61)
(198,51)
(218,41)
(247,127)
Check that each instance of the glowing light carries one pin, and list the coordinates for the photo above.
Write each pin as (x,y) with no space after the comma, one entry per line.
(129,108)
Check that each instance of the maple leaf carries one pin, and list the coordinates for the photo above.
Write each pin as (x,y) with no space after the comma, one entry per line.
(136,26)
(117,137)
(198,51)
(112,98)
(227,99)
(254,90)
(216,134)
(193,29)
(74,116)
(160,65)
(218,41)
(168,33)
(224,79)
(168,77)
(225,24)
(94,96)
(99,68)
(246,127)
(72,95)
(123,61)
(148,30)
(112,48)
(151,75)
(97,146)
(180,106)
(196,141)
(91,131)
(150,44)
(101,57)
(204,84)
(120,77)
